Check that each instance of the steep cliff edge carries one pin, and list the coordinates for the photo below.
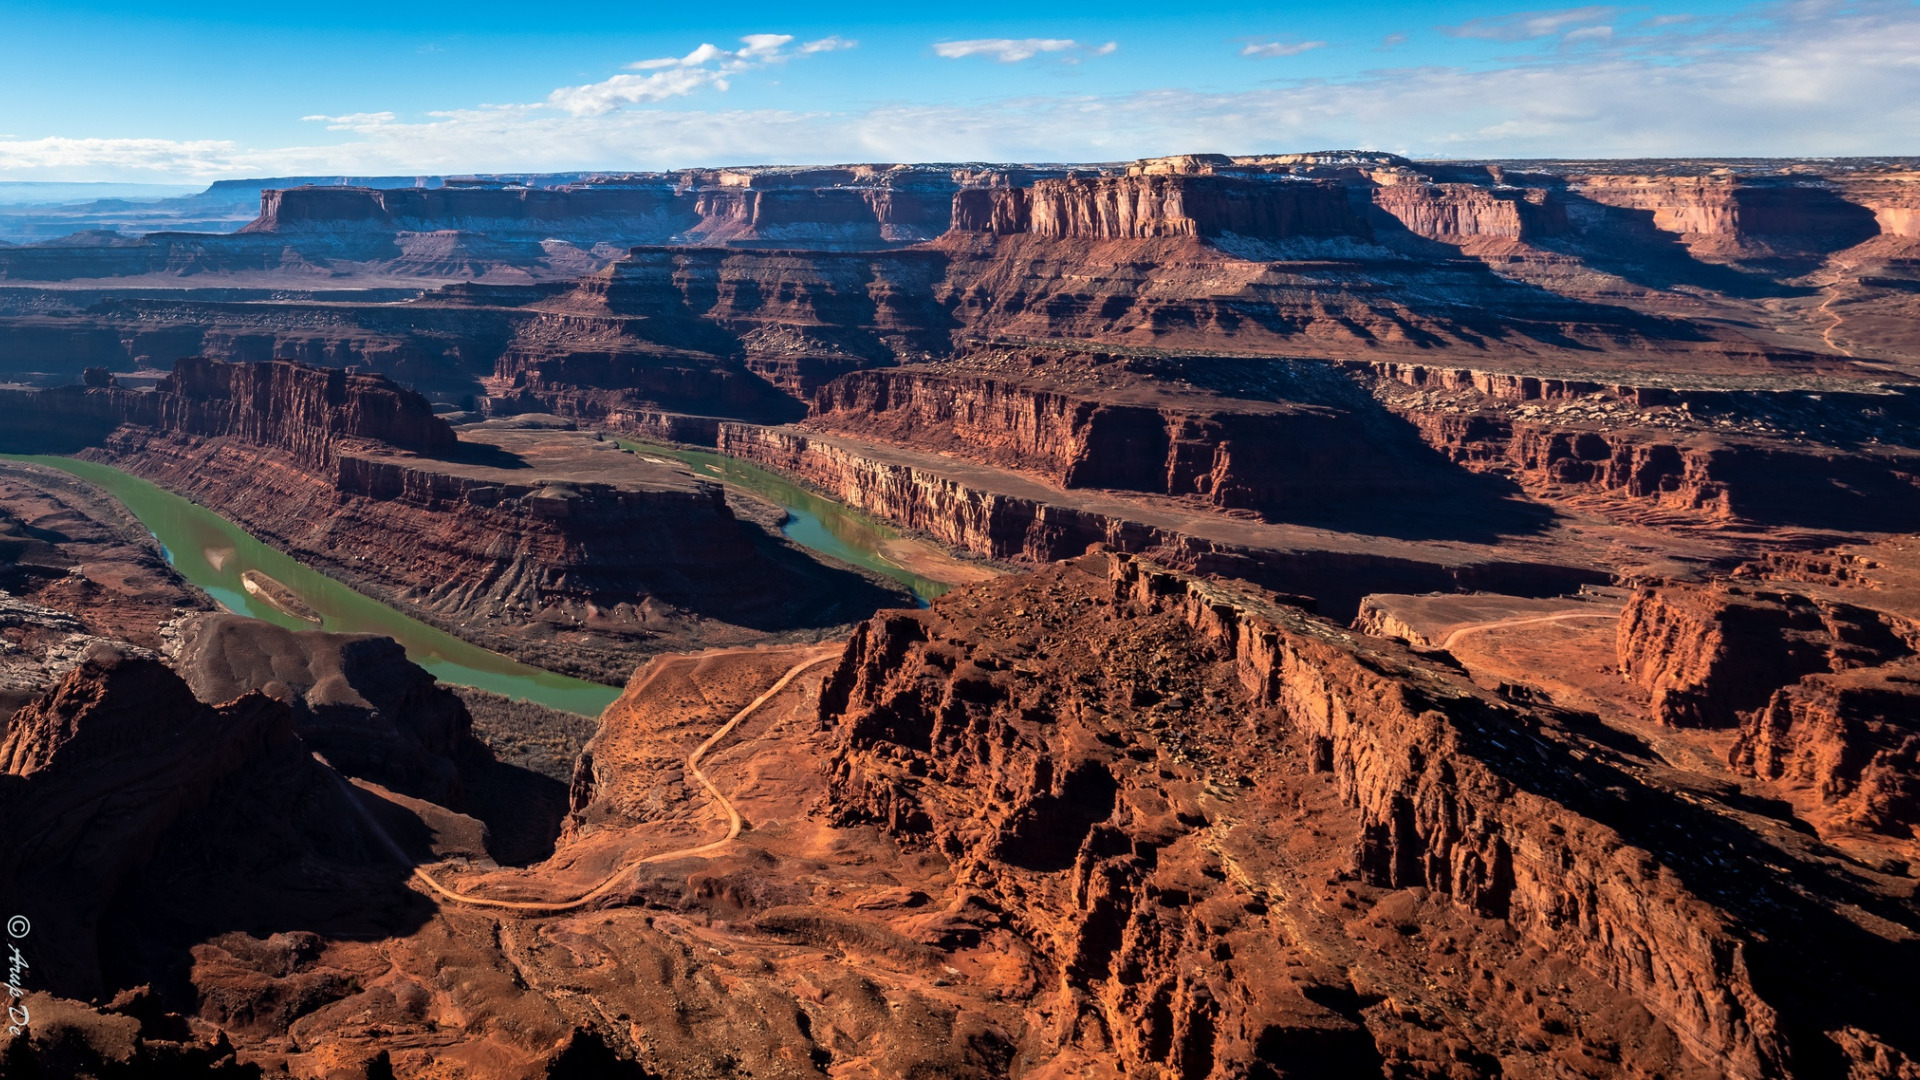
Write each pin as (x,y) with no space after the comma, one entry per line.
(1848,739)
(554,547)
(1006,515)
(1139,207)
(1230,453)
(311,414)
(1463,213)
(1709,653)
(1116,819)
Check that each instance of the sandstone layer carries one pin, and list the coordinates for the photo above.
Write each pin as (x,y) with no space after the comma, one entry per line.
(560,548)
(1099,820)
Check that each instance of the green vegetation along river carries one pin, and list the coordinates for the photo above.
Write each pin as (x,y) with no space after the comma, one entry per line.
(214,553)
(813,521)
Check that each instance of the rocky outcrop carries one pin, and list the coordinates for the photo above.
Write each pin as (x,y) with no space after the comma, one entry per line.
(981,730)
(307,413)
(1732,217)
(356,699)
(1707,654)
(96,772)
(1714,476)
(1139,207)
(1849,739)
(974,511)
(1458,213)
(1228,454)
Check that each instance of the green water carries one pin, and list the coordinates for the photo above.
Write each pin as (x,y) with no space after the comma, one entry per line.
(813,521)
(212,552)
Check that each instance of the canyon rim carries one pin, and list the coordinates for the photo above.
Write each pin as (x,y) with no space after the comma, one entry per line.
(480,601)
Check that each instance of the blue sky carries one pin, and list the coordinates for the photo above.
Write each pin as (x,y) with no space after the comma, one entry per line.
(137,92)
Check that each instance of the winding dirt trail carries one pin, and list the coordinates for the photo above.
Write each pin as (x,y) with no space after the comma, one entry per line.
(1826,308)
(734,821)
(1504,623)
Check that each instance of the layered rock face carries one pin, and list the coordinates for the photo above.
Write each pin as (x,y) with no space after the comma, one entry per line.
(1772,455)
(797,207)
(1850,738)
(307,413)
(1141,207)
(1732,217)
(613,566)
(1460,213)
(1708,654)
(1075,802)
(354,474)
(1229,454)
(1822,692)
(1007,518)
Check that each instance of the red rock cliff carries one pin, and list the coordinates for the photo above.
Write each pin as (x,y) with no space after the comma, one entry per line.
(1456,213)
(1019,757)
(1230,454)
(307,411)
(1709,653)
(1146,207)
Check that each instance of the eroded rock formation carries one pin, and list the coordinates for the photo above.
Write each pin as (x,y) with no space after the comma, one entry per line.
(357,475)
(1708,654)
(982,731)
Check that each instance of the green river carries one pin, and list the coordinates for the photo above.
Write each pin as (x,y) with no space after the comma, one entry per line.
(813,521)
(212,552)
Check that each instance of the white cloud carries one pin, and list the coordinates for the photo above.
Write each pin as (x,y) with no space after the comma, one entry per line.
(1820,78)
(1528,25)
(1011,50)
(595,99)
(763,46)
(118,159)
(830,43)
(1588,33)
(1266,49)
(679,76)
(352,121)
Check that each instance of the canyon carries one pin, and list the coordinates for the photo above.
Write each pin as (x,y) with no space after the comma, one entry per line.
(1406,618)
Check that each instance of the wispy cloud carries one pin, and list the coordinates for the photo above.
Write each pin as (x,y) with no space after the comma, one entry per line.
(1528,25)
(192,159)
(1268,49)
(830,43)
(1819,77)
(1014,50)
(352,121)
(679,76)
